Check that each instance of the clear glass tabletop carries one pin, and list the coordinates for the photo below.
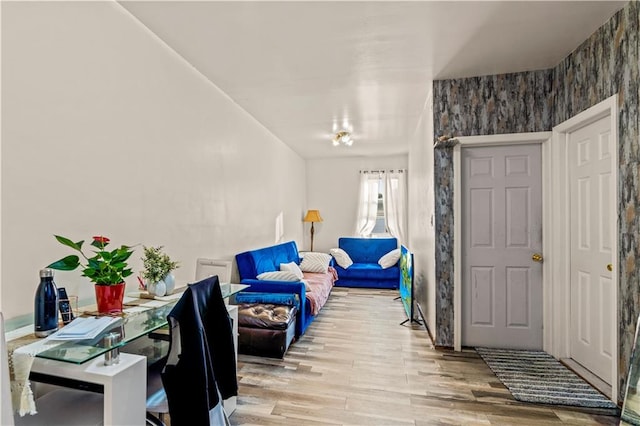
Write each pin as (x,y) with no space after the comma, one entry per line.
(130,327)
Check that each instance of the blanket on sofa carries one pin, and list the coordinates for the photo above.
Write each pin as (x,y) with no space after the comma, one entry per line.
(320,286)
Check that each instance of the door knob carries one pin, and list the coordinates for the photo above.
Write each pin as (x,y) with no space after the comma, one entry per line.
(609,267)
(537,257)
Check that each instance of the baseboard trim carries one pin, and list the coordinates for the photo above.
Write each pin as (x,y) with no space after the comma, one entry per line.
(426,325)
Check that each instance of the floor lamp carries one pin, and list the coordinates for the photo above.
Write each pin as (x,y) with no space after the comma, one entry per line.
(312,216)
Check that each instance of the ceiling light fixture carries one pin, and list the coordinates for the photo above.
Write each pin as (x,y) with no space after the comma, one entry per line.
(342,137)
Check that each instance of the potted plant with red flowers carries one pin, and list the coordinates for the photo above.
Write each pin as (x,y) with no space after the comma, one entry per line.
(107,269)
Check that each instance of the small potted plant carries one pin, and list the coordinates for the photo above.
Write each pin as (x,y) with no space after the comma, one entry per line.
(157,271)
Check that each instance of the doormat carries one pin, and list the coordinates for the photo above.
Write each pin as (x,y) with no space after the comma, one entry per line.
(535,376)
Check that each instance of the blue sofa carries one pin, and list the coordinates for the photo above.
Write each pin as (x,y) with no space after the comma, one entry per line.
(254,262)
(365,271)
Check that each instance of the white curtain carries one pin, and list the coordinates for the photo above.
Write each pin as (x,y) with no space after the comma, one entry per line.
(395,203)
(367,203)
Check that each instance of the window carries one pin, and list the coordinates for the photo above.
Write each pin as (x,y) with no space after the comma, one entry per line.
(380,228)
(382,204)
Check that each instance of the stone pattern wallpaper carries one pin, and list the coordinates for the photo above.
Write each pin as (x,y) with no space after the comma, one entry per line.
(508,103)
(443,181)
(606,63)
(494,104)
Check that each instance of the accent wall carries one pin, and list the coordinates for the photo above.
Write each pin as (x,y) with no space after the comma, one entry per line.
(605,64)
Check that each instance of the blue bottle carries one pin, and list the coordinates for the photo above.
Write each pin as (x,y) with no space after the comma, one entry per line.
(46,305)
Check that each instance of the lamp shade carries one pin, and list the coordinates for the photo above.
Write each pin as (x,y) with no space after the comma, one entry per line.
(312,216)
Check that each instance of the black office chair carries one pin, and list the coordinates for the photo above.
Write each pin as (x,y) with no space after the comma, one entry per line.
(199,370)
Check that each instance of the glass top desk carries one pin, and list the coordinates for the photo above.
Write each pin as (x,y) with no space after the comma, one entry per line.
(130,327)
(123,384)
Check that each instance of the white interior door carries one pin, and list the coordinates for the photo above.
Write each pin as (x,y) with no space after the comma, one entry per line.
(592,297)
(501,231)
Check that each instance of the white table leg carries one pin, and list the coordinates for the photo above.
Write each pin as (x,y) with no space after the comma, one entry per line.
(125,384)
(230,403)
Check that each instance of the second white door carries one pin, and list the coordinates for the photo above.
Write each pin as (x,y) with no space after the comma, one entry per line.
(592,228)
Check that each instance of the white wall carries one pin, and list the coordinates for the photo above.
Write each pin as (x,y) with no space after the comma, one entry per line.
(421,211)
(107,131)
(1,292)
(332,188)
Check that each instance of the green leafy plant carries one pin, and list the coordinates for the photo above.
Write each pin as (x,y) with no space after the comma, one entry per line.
(156,264)
(105,267)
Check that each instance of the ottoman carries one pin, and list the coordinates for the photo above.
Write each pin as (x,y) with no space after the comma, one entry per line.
(265,329)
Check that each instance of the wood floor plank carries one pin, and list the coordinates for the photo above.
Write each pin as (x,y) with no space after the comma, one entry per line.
(357,365)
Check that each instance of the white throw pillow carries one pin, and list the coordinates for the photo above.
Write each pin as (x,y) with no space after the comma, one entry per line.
(292,267)
(341,257)
(389,259)
(278,276)
(315,262)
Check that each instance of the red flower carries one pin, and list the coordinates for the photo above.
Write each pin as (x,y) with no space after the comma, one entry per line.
(101,240)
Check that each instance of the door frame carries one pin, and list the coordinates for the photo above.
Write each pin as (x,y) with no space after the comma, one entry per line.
(509,139)
(557,300)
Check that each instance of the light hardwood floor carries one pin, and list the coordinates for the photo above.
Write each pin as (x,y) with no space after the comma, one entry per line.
(356,365)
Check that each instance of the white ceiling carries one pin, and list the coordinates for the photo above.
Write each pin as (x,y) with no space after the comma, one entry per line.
(305,69)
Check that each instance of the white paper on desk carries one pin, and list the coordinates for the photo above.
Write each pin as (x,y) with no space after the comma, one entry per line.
(83,328)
